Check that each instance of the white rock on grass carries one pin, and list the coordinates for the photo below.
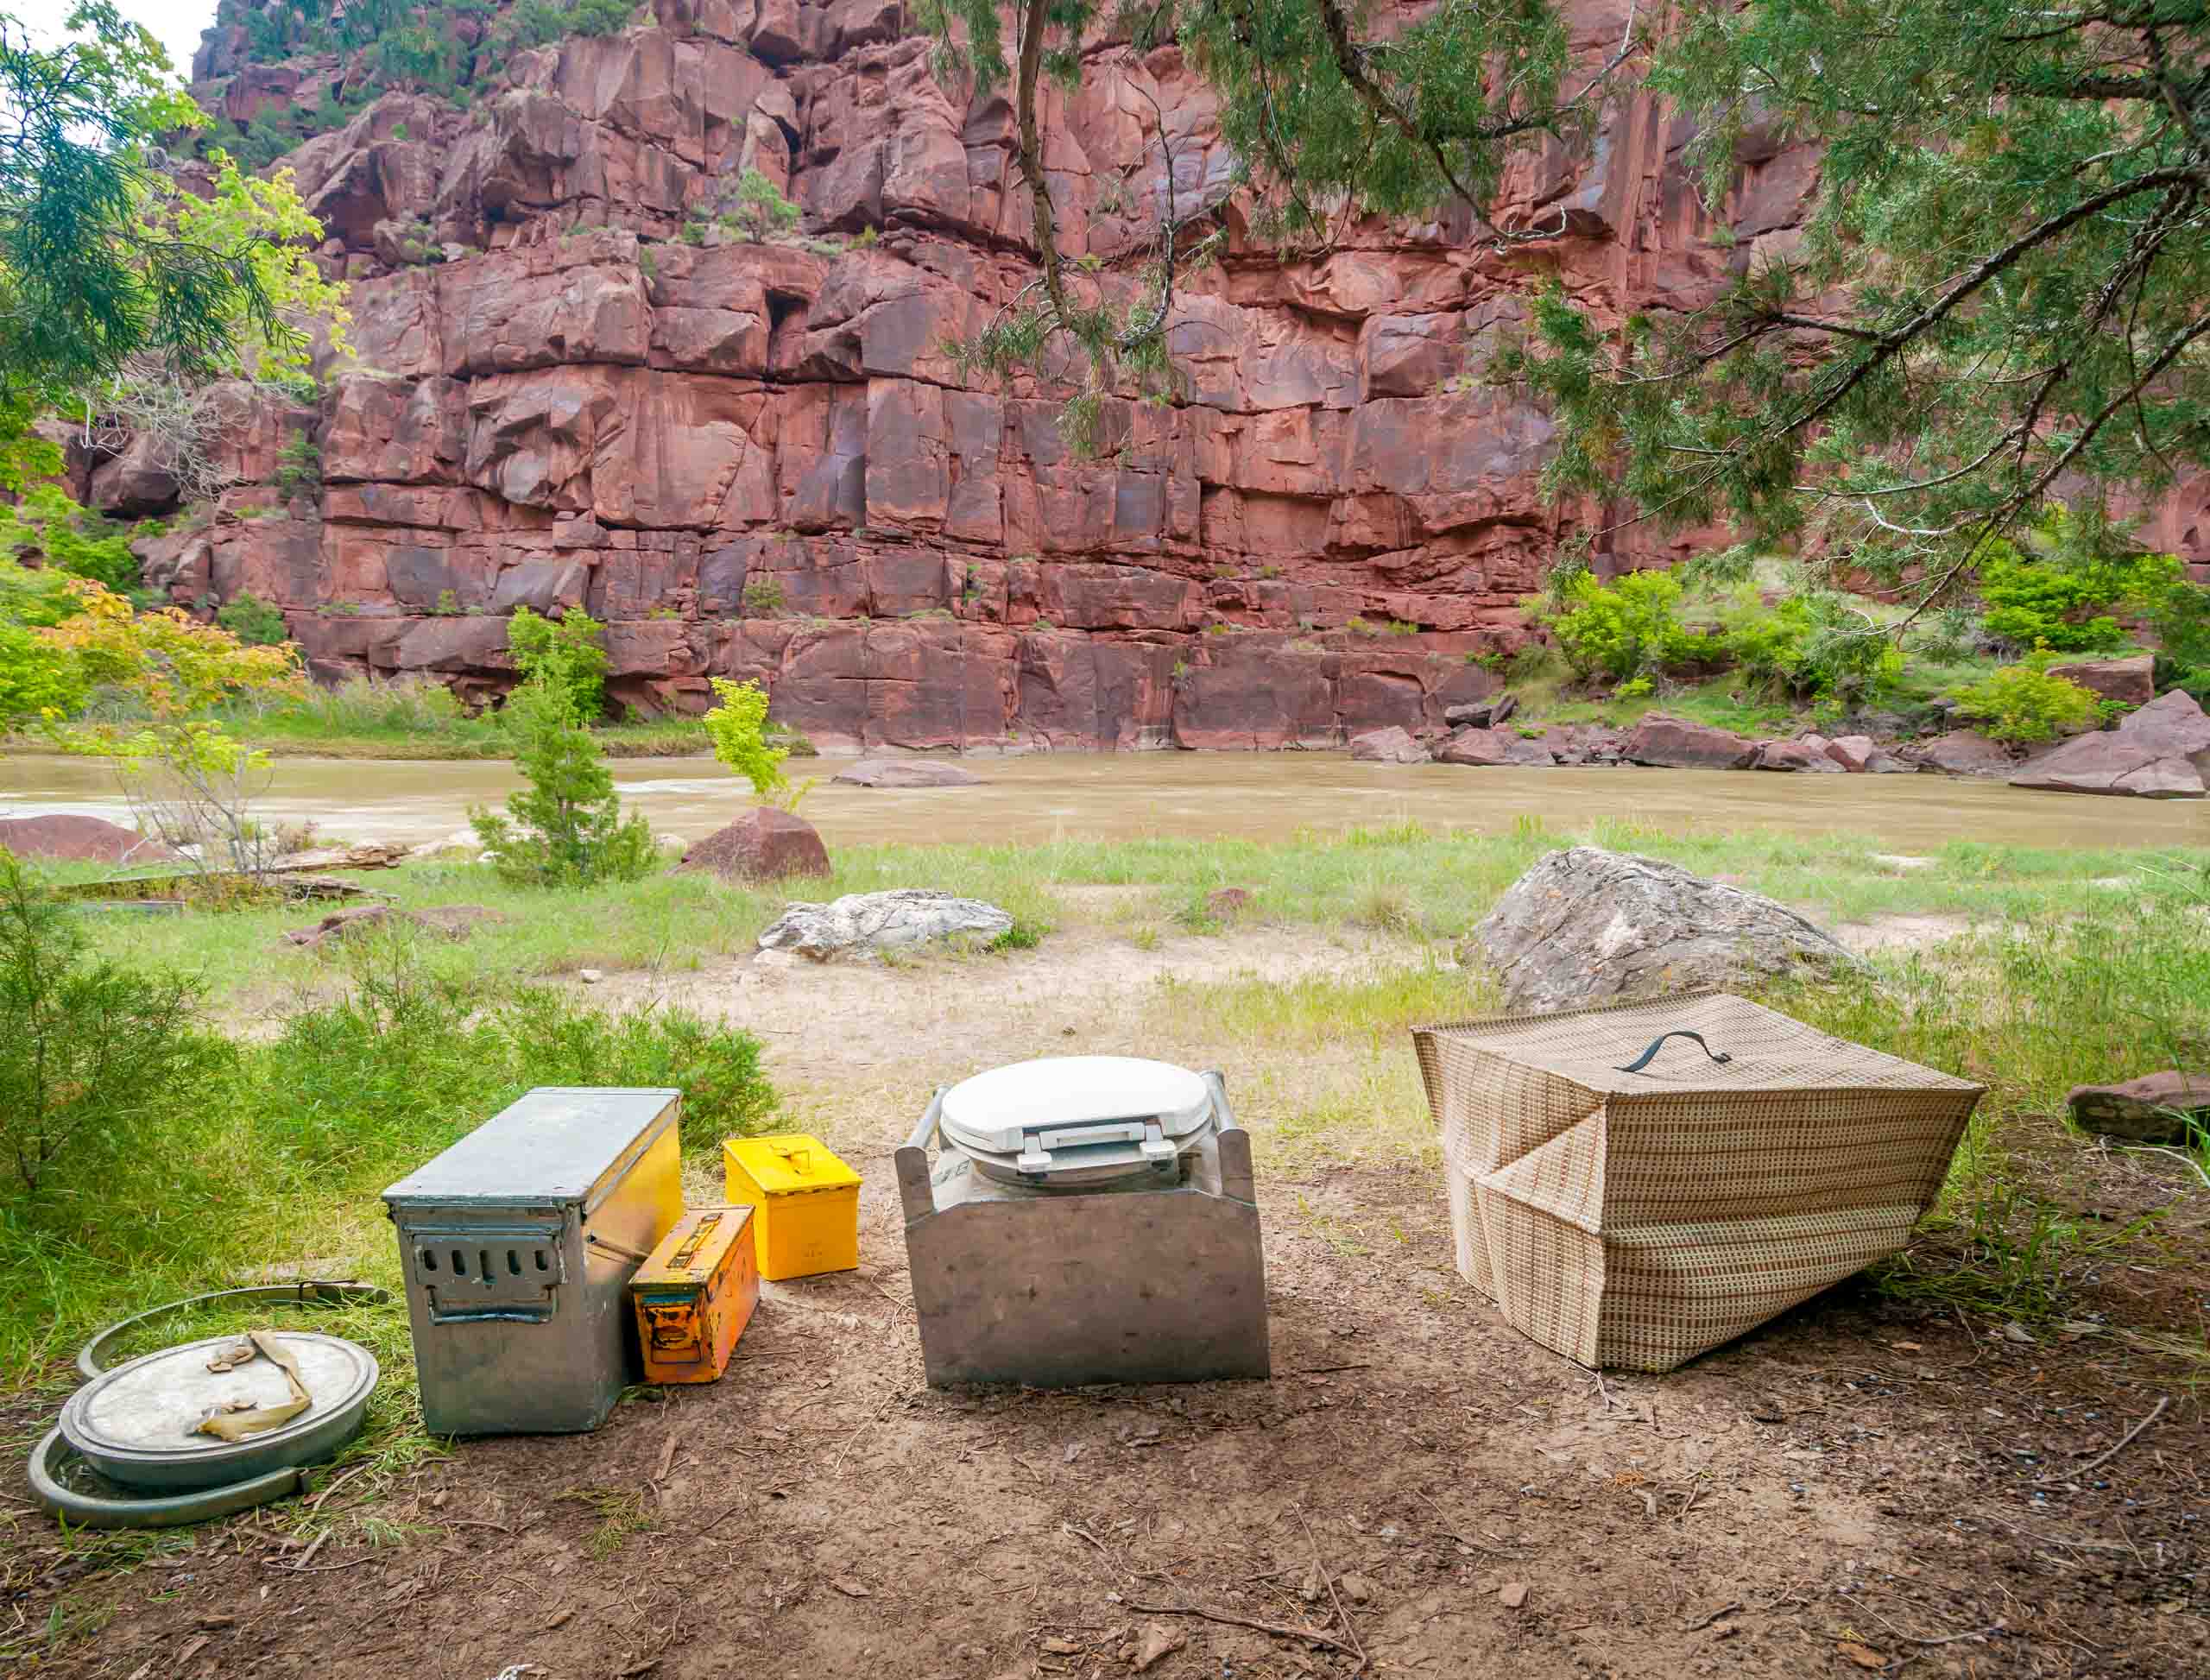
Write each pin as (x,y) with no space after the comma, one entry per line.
(863,924)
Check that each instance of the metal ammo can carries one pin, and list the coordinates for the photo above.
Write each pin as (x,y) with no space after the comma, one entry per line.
(696,1294)
(518,1244)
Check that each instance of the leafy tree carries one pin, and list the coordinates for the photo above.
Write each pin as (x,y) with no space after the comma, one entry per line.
(1624,630)
(1999,289)
(2063,587)
(1814,645)
(565,828)
(89,1051)
(190,781)
(105,270)
(46,523)
(564,653)
(738,728)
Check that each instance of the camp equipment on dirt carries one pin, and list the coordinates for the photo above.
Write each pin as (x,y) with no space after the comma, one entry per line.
(1088,1219)
(129,1451)
(696,1293)
(805,1203)
(1636,1183)
(518,1243)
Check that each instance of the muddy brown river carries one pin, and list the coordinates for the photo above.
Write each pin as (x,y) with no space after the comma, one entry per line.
(1132,795)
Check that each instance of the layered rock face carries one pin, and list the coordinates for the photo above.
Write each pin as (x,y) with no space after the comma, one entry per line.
(762,460)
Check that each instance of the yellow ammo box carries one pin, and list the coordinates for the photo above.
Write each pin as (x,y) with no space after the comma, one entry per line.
(805,1203)
(694,1295)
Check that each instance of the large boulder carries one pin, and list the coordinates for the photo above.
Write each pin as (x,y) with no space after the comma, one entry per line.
(81,840)
(763,845)
(1481,714)
(864,923)
(907,772)
(1390,746)
(1588,926)
(1677,744)
(1493,747)
(1809,756)
(2160,752)
(2157,1108)
(1967,753)
(2132,682)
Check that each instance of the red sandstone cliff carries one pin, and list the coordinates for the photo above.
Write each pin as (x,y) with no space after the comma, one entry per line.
(757,459)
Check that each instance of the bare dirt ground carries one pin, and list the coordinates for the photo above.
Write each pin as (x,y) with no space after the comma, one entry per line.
(1865,1486)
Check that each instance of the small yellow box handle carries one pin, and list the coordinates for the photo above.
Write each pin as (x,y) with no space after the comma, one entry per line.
(797,1158)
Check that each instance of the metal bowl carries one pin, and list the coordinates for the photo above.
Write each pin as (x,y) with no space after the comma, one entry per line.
(135,1424)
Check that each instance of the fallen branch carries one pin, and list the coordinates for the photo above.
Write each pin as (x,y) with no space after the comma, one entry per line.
(1341,1615)
(1232,1621)
(2124,1441)
(1703,1622)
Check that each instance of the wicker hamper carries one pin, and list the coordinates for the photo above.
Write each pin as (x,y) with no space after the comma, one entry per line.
(1639,1218)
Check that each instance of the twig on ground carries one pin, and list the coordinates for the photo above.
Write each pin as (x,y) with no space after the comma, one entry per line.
(1703,1622)
(1344,1615)
(336,1482)
(1232,1620)
(2124,1441)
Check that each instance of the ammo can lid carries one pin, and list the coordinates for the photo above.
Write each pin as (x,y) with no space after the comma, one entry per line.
(694,1247)
(992,1110)
(556,1144)
(790,1163)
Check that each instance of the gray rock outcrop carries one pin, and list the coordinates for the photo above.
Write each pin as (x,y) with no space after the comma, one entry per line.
(864,923)
(1588,926)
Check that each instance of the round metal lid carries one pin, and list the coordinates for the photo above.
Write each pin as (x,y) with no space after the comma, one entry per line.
(140,1419)
(993,1110)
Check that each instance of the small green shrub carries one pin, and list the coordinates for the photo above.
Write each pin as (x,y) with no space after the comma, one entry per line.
(1810,647)
(565,828)
(91,1053)
(2020,704)
(1629,627)
(253,621)
(763,597)
(1021,936)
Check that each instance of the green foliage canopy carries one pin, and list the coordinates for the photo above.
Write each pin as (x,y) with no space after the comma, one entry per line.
(1998,292)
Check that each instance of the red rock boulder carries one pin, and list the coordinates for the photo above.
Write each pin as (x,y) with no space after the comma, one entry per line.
(1389,746)
(763,845)
(1967,753)
(2160,752)
(81,840)
(2157,1108)
(1799,755)
(1677,744)
(2131,681)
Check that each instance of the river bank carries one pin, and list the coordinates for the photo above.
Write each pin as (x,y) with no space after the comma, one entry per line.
(1844,1460)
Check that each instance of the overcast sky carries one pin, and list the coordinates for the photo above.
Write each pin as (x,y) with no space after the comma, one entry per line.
(178,22)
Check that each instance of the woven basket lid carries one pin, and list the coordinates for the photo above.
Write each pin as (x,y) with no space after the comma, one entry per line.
(1764,1051)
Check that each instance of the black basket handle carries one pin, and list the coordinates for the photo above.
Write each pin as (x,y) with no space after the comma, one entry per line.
(1650,1055)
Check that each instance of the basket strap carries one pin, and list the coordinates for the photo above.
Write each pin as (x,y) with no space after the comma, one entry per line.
(1650,1055)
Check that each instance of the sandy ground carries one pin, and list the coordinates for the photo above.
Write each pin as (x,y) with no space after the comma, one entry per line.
(1864,1486)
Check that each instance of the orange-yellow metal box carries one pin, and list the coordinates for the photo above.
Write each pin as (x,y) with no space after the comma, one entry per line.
(805,1203)
(695,1293)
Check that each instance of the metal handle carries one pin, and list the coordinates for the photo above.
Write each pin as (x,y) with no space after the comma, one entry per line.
(925,1134)
(591,1239)
(1650,1055)
(914,1194)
